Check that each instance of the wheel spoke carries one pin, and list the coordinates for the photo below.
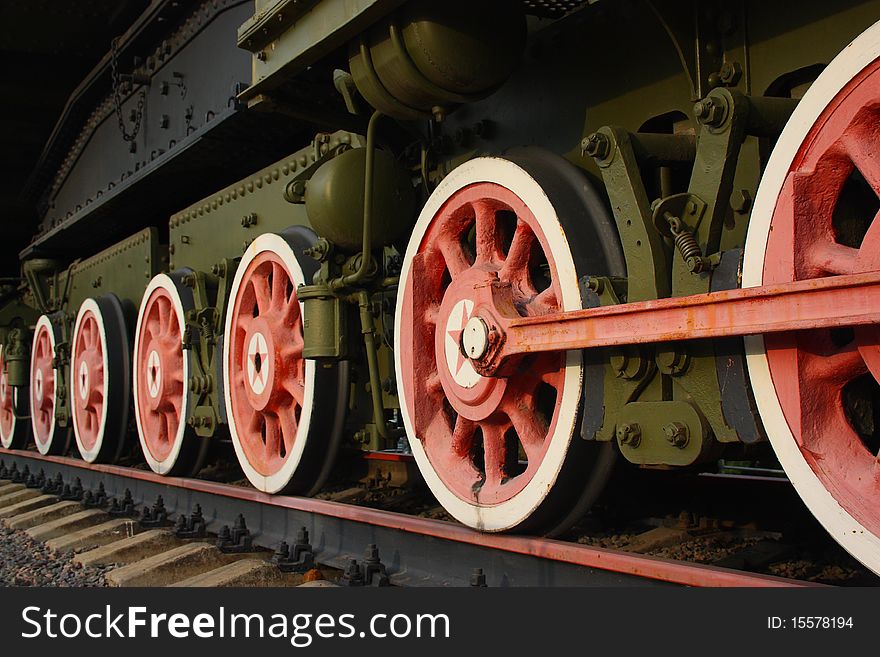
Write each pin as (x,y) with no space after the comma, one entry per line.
(244,323)
(296,389)
(165,423)
(516,265)
(152,329)
(861,146)
(289,427)
(494,453)
(544,302)
(463,436)
(431,314)
(454,255)
(486,230)
(262,293)
(279,285)
(529,428)
(89,335)
(433,384)
(176,403)
(164,310)
(171,343)
(832,258)
(273,437)
(292,351)
(290,311)
(835,369)
(254,423)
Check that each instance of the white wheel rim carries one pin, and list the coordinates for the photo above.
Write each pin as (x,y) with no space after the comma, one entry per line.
(90,455)
(520,507)
(276,482)
(163,466)
(6,437)
(37,386)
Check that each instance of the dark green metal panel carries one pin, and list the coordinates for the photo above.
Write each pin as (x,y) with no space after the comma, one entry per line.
(223,224)
(124,269)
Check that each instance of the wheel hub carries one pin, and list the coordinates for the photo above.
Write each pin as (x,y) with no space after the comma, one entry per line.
(83,384)
(463,373)
(474,396)
(475,338)
(155,380)
(259,365)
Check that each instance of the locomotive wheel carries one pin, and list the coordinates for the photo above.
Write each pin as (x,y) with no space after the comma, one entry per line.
(13,408)
(48,436)
(100,379)
(816,214)
(499,453)
(280,406)
(162,397)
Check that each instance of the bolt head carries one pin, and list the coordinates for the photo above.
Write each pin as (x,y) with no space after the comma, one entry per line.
(629,434)
(741,201)
(677,434)
(731,73)
(596,145)
(710,111)
(475,338)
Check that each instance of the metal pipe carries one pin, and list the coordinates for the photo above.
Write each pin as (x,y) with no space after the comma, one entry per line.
(661,150)
(363,269)
(363,298)
(769,115)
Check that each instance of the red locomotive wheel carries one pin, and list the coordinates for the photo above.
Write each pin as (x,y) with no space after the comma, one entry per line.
(817,214)
(100,379)
(13,429)
(273,393)
(493,449)
(48,436)
(161,392)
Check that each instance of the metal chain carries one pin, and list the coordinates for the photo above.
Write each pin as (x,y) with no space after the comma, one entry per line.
(117,96)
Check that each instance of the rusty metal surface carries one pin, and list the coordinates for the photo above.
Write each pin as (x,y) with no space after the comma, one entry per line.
(847,300)
(420,551)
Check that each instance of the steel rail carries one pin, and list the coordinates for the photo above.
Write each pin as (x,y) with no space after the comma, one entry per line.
(831,302)
(417,551)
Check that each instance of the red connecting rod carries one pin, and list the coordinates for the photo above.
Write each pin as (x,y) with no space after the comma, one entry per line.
(837,301)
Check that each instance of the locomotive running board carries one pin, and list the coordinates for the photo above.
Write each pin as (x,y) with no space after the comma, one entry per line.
(417,551)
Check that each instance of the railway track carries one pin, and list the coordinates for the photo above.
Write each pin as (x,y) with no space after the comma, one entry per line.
(414,551)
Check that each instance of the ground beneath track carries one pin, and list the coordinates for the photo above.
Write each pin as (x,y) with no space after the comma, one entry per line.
(46,541)
(26,562)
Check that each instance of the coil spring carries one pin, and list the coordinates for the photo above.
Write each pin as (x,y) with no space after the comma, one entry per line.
(207,330)
(686,244)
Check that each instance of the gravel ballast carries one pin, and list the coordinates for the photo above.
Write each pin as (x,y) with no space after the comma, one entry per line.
(26,562)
